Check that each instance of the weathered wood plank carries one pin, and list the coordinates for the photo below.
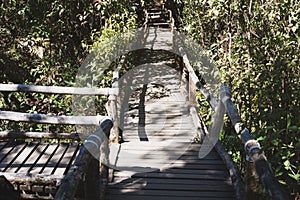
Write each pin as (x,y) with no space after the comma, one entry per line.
(149,197)
(161,126)
(40,135)
(31,178)
(33,158)
(201,166)
(171,159)
(200,172)
(11,156)
(66,159)
(5,150)
(120,180)
(22,158)
(145,185)
(43,158)
(183,194)
(50,119)
(180,176)
(55,159)
(2,145)
(57,89)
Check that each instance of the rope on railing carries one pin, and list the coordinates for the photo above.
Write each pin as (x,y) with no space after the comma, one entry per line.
(86,166)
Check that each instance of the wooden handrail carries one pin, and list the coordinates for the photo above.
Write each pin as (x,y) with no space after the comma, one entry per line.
(89,155)
(194,83)
(194,78)
(50,119)
(253,149)
(56,89)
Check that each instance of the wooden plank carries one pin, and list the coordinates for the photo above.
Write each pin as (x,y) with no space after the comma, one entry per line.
(57,89)
(177,151)
(2,145)
(185,139)
(161,126)
(145,185)
(50,119)
(135,156)
(149,197)
(33,158)
(43,158)
(11,156)
(66,159)
(195,171)
(133,122)
(54,160)
(5,150)
(183,194)
(163,133)
(121,180)
(22,157)
(39,135)
(199,166)
(31,178)
(180,176)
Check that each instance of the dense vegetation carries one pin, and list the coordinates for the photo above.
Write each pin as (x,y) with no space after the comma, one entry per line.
(45,42)
(255,44)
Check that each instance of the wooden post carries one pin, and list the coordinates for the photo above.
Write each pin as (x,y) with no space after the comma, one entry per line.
(92,180)
(104,169)
(111,107)
(192,91)
(253,150)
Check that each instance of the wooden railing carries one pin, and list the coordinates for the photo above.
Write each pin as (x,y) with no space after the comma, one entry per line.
(86,167)
(251,146)
(253,149)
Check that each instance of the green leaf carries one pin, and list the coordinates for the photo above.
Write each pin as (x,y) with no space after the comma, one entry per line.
(287,164)
(296,176)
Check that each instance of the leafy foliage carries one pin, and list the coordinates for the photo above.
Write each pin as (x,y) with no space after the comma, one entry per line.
(44,43)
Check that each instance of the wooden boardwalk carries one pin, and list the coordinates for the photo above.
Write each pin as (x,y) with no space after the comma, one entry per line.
(186,178)
(158,159)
